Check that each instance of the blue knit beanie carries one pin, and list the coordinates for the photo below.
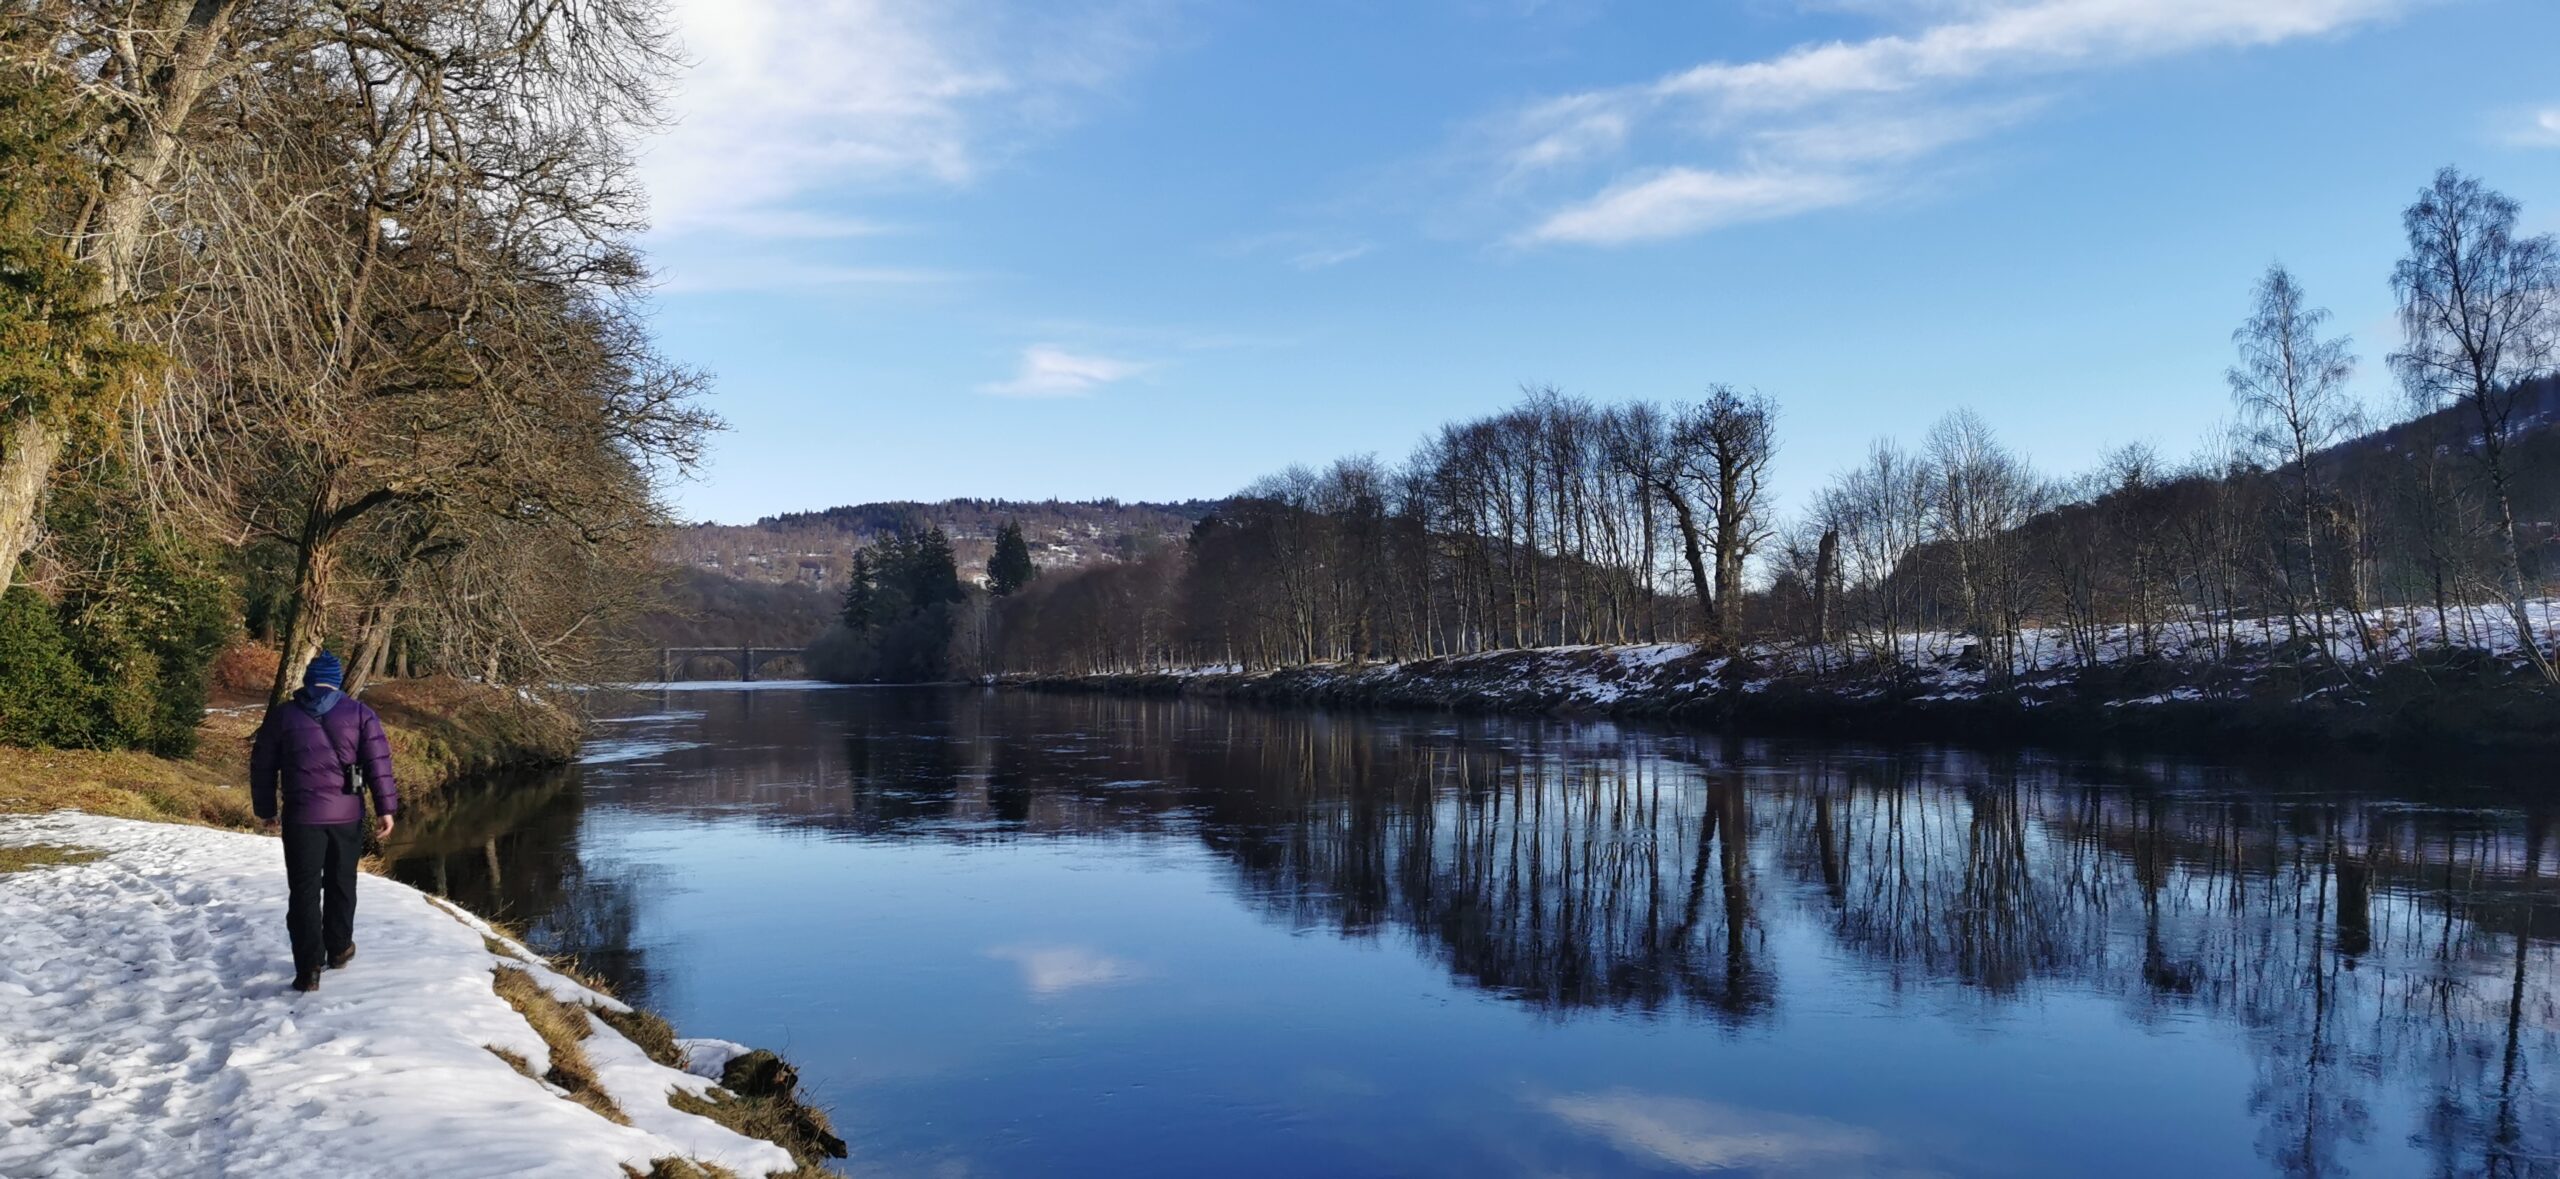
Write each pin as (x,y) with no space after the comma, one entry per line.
(325,670)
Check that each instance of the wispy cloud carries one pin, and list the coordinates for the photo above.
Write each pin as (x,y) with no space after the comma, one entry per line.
(1301,249)
(1678,201)
(1049,371)
(1824,125)
(1328,257)
(1049,971)
(793,110)
(2537,129)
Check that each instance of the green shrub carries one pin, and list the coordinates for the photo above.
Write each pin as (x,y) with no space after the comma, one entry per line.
(124,658)
(42,701)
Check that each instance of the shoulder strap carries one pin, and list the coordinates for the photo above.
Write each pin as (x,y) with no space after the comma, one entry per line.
(318,721)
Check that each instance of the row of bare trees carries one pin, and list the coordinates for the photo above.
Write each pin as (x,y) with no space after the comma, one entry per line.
(378,260)
(1557,521)
(1564,522)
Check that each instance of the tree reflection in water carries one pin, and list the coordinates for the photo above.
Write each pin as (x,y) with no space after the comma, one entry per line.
(2364,947)
(509,849)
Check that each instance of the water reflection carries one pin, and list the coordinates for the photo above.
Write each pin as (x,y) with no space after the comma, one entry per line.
(509,849)
(2373,955)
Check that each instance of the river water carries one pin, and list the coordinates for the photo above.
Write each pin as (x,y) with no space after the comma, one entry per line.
(1011,935)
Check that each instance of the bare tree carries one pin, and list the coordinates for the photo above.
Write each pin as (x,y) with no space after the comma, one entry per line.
(534,95)
(2480,311)
(2290,386)
(1983,498)
(1726,444)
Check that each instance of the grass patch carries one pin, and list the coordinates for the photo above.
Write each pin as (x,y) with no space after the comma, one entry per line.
(441,730)
(760,1098)
(43,855)
(676,1168)
(123,785)
(563,1028)
(783,1123)
(514,1061)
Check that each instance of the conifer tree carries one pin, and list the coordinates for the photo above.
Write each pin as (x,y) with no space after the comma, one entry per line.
(932,574)
(1011,568)
(861,594)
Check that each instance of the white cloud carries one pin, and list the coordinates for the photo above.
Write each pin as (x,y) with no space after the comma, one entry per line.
(2038,37)
(1679,201)
(2538,129)
(1824,124)
(1693,1135)
(788,101)
(1048,371)
(1049,971)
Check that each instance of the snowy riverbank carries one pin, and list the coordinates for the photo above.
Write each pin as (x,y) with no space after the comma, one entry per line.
(147,1029)
(2405,676)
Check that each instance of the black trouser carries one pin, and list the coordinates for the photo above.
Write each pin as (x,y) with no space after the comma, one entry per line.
(320,866)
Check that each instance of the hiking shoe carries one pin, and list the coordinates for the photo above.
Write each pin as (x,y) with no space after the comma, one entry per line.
(339,960)
(309,981)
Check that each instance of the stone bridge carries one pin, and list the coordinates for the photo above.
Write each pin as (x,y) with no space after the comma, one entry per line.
(746,660)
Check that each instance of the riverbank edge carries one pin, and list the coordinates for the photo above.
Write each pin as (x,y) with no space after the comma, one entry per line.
(442,732)
(2434,704)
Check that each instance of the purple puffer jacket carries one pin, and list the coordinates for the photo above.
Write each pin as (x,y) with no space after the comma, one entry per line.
(301,747)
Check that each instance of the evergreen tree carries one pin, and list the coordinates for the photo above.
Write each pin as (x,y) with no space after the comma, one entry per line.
(1011,568)
(861,594)
(931,574)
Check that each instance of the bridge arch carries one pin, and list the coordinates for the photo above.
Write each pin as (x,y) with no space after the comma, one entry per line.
(745,664)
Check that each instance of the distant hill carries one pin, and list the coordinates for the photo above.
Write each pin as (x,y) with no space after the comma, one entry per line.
(2537,407)
(813,548)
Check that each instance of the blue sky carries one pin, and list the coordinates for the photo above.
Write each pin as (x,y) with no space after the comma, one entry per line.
(1155,248)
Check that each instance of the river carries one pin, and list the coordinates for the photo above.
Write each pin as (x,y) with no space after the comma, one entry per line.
(1016,935)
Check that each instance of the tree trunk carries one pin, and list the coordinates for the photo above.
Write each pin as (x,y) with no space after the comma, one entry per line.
(26,464)
(372,645)
(1689,546)
(1826,573)
(306,613)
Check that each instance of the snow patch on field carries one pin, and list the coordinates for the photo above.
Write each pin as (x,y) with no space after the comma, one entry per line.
(147,1028)
(1937,665)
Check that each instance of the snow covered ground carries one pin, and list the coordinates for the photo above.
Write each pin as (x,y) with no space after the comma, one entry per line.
(147,1028)
(1943,665)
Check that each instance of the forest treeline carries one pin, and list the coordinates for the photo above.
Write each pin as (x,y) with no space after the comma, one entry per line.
(1562,521)
(319,323)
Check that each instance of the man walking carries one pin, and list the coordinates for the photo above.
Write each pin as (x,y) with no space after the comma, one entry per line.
(313,755)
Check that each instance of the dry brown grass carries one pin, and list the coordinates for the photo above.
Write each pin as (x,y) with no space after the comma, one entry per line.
(672,1167)
(780,1123)
(777,1116)
(122,785)
(440,729)
(564,1029)
(43,855)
